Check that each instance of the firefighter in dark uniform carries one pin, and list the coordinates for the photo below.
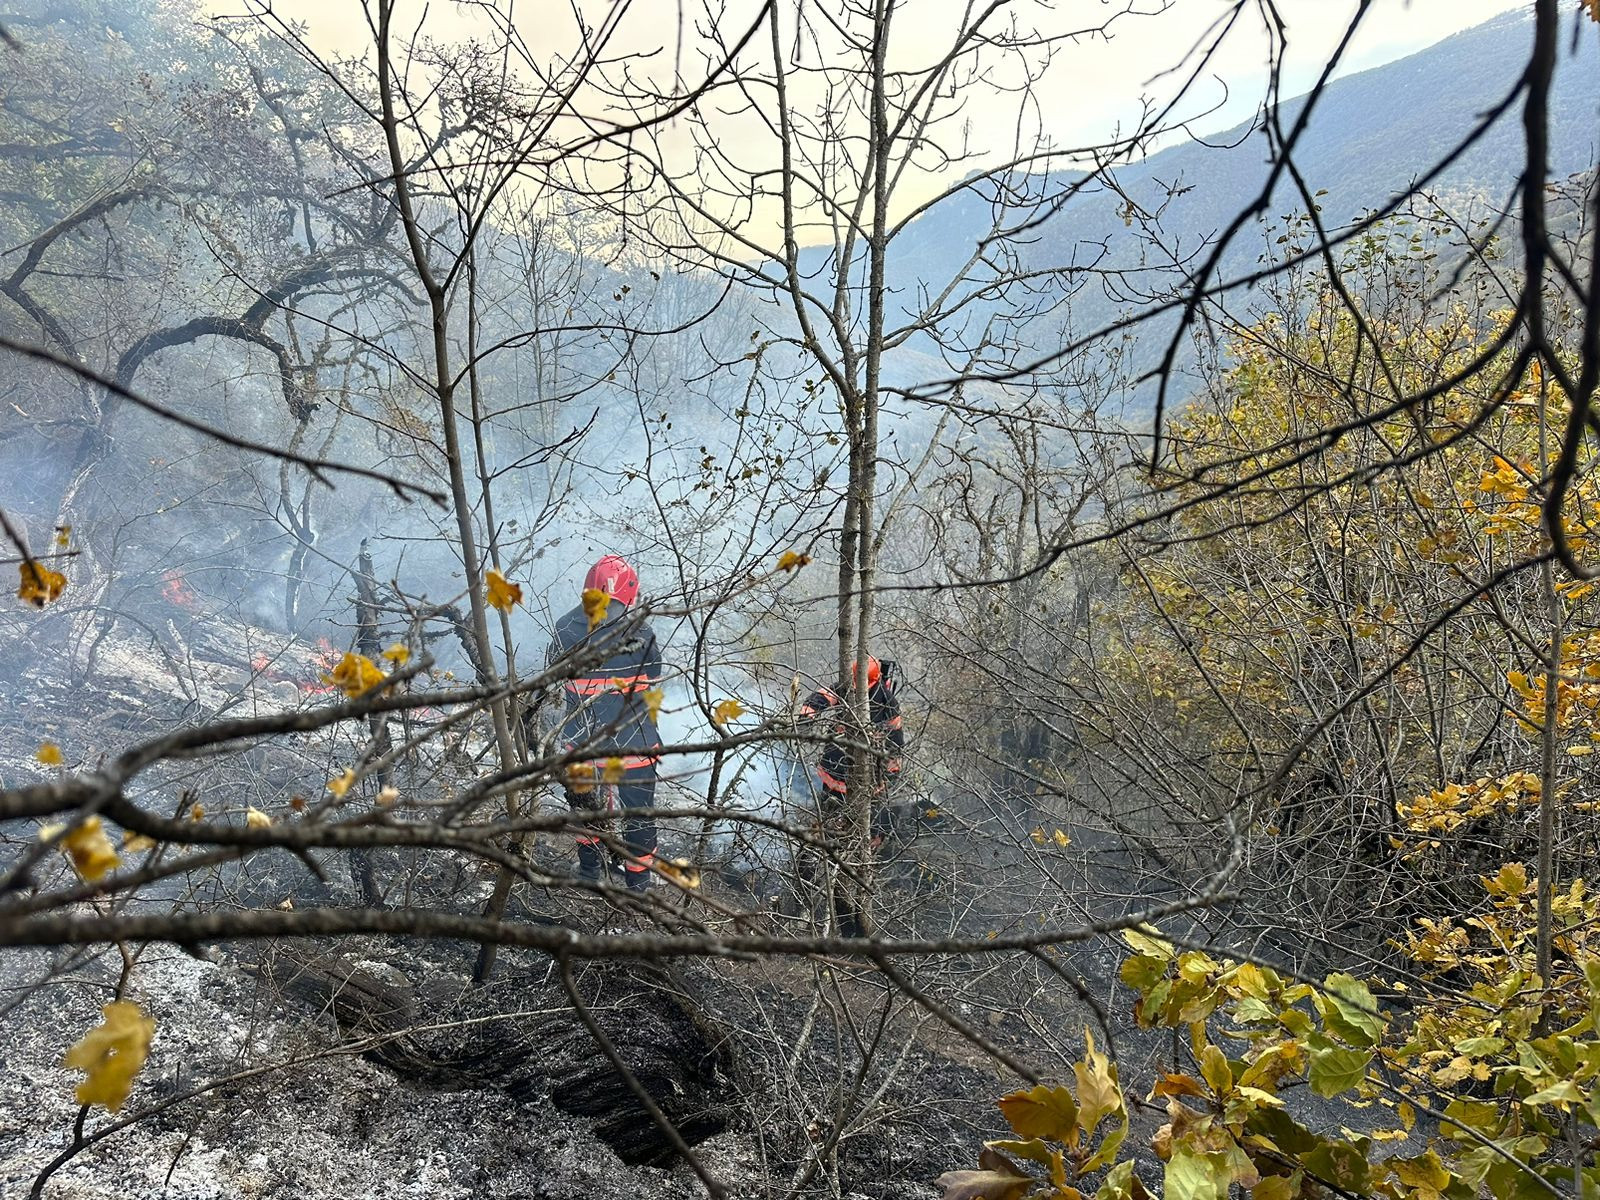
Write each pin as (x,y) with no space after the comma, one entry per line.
(827,711)
(615,660)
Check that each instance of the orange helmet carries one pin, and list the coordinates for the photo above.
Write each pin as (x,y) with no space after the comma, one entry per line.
(874,671)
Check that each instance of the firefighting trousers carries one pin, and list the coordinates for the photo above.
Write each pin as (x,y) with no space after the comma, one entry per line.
(635,790)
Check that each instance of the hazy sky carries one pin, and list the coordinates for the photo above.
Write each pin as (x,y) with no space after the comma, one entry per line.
(1090,86)
(1092,90)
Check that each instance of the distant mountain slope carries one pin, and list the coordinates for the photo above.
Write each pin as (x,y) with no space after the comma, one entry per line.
(1371,136)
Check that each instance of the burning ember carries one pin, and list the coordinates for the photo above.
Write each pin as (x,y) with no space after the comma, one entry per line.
(178,592)
(323,660)
(306,667)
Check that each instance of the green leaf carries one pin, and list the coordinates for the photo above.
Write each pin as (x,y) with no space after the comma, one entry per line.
(1342,1165)
(1122,1184)
(1480,1116)
(1349,1010)
(1563,1093)
(1296,1022)
(1240,1169)
(1336,1069)
(1251,1011)
(1143,943)
(1288,1134)
(1192,1176)
(1473,1165)
(1151,1009)
(1482,1047)
(1108,1148)
(1142,972)
(1514,1181)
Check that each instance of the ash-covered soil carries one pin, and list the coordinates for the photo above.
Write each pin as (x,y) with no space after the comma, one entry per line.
(290,1109)
(323,1122)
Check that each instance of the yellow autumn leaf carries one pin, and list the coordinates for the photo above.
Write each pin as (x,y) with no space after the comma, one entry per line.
(387,796)
(111,1054)
(596,603)
(789,560)
(1038,836)
(680,871)
(1061,839)
(136,843)
(581,777)
(501,593)
(726,710)
(39,585)
(63,536)
(197,812)
(1099,1094)
(254,818)
(342,784)
(652,702)
(355,675)
(612,771)
(89,849)
(1043,1112)
(397,654)
(49,754)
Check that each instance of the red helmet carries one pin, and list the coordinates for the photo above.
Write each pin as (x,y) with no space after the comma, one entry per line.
(874,671)
(613,576)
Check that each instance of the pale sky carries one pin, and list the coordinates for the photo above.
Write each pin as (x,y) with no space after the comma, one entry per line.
(1089,86)
(1092,89)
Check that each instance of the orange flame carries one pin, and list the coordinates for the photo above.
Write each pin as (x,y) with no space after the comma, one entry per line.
(177,591)
(323,660)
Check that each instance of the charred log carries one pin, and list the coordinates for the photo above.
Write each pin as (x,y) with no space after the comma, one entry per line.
(520,1035)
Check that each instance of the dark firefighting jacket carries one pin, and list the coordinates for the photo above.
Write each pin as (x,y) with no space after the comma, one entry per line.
(611,669)
(828,713)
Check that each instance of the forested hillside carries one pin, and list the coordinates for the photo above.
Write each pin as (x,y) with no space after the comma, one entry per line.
(641,602)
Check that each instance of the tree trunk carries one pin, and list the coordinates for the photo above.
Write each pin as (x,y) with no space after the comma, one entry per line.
(367,643)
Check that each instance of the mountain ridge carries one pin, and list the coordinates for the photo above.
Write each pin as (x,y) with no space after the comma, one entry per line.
(1373,134)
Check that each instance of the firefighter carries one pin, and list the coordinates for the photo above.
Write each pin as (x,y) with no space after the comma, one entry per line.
(827,710)
(615,660)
